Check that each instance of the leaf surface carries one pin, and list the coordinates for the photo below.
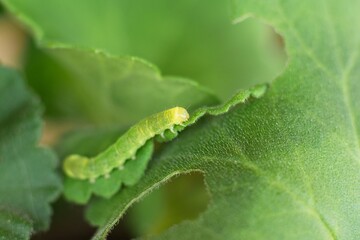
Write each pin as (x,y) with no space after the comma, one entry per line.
(182,39)
(105,89)
(27,176)
(80,190)
(285,166)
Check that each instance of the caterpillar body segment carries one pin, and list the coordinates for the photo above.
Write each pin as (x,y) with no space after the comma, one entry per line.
(81,167)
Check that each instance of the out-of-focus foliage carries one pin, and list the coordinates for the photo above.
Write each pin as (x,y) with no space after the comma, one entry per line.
(181,38)
(111,90)
(184,197)
(28,182)
(194,39)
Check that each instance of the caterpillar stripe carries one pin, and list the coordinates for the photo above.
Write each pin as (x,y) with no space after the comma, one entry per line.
(125,147)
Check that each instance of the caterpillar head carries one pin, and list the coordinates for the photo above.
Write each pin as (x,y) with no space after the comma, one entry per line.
(180,115)
(75,166)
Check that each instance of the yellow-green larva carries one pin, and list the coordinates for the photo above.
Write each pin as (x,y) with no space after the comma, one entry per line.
(125,147)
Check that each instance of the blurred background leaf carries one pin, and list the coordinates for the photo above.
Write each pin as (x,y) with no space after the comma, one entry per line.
(103,89)
(182,198)
(27,171)
(193,39)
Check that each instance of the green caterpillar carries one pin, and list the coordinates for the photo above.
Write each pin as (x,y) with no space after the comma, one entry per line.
(125,147)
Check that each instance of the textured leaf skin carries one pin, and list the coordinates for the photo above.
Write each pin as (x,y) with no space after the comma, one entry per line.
(27,177)
(96,214)
(14,225)
(80,191)
(285,166)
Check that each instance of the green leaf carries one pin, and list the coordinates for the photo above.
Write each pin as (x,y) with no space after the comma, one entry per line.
(80,190)
(168,205)
(96,214)
(28,181)
(285,166)
(113,90)
(182,38)
(240,97)
(14,225)
(87,141)
(84,25)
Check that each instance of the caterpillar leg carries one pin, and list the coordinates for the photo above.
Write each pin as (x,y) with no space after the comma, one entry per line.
(133,157)
(162,135)
(107,175)
(172,129)
(121,167)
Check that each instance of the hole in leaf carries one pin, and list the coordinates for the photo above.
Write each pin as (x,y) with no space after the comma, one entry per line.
(183,198)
